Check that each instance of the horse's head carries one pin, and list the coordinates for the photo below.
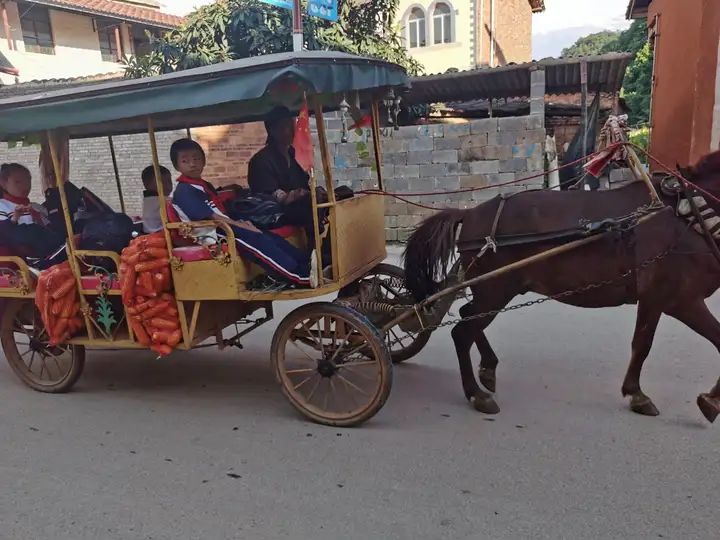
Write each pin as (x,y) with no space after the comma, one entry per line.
(706,173)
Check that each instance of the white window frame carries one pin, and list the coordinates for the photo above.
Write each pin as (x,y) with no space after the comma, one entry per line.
(450,23)
(412,26)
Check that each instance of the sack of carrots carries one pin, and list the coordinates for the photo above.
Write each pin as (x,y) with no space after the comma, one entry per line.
(145,283)
(57,299)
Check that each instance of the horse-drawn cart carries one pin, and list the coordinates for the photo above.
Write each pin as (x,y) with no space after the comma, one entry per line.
(333,364)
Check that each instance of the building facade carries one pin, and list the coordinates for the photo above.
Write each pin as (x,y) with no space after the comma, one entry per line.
(58,39)
(685,113)
(464,34)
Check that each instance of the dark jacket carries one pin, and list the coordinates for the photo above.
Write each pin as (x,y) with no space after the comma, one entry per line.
(269,171)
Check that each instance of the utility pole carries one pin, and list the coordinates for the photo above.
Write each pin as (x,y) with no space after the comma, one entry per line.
(297,27)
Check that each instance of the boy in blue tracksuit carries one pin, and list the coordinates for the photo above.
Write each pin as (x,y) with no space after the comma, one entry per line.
(197,200)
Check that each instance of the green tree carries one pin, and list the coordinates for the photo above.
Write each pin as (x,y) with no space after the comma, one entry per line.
(591,44)
(231,29)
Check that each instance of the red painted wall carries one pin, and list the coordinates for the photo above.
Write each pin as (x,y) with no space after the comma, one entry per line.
(685,69)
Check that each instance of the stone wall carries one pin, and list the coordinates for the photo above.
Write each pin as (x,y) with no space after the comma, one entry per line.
(442,157)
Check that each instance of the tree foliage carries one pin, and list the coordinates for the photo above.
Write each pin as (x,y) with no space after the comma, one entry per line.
(638,78)
(231,29)
(592,44)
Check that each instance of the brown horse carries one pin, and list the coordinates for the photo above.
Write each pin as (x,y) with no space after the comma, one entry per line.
(676,285)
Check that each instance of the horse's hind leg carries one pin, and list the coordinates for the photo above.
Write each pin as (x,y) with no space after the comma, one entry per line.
(463,335)
(645,326)
(697,316)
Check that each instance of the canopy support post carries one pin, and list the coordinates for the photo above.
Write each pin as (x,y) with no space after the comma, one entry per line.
(117,174)
(375,117)
(70,244)
(329,186)
(297,26)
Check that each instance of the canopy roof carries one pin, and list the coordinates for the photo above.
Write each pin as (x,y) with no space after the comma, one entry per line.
(232,92)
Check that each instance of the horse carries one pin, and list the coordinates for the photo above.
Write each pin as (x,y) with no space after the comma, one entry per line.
(677,284)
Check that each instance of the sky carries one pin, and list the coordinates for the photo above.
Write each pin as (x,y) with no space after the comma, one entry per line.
(562,23)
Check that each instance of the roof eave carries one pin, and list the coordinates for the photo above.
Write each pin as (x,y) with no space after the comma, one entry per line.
(99,13)
(635,11)
(537,6)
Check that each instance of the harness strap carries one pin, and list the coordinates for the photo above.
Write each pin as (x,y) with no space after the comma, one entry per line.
(700,221)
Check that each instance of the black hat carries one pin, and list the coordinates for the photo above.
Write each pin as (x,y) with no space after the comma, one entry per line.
(277,114)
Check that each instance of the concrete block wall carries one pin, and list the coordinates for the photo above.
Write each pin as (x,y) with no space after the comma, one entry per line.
(437,158)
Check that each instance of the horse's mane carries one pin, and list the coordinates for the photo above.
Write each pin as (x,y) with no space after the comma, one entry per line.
(707,166)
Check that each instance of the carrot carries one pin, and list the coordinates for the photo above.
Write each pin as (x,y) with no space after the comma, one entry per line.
(154,311)
(163,324)
(152,265)
(158,281)
(160,337)
(65,287)
(174,338)
(60,329)
(157,252)
(162,350)
(140,334)
(144,306)
(166,278)
(146,281)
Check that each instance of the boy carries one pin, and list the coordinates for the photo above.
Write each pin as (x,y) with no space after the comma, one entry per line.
(24,225)
(197,200)
(152,222)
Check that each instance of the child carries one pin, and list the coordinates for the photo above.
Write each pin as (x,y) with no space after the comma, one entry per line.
(24,225)
(152,222)
(197,200)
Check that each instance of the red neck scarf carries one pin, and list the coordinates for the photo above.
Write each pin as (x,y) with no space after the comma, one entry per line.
(207,187)
(24,201)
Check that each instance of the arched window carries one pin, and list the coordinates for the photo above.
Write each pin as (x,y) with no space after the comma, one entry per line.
(416,28)
(442,23)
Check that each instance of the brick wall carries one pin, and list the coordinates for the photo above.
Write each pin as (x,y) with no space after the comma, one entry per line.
(437,158)
(429,158)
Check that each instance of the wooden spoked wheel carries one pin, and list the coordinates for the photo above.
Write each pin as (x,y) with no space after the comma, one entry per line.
(385,284)
(38,364)
(332,364)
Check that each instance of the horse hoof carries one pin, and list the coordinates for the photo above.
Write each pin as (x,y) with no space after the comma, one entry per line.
(485,404)
(709,406)
(487,379)
(643,405)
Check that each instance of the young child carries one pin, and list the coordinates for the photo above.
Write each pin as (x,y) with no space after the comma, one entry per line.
(24,225)
(197,200)
(152,222)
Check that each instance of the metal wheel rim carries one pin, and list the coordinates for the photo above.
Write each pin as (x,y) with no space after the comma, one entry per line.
(360,376)
(35,360)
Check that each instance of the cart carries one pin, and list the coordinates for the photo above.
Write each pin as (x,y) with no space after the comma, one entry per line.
(332,362)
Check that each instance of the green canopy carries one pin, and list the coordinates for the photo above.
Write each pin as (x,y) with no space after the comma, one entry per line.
(231,92)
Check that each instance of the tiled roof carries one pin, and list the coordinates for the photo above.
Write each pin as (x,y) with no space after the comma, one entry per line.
(48,85)
(119,10)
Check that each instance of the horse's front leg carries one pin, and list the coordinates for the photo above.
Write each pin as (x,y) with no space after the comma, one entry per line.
(646,323)
(697,316)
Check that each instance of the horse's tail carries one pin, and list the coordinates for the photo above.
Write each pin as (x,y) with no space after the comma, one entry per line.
(428,252)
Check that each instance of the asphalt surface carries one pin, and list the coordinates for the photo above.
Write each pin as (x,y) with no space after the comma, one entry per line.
(204,446)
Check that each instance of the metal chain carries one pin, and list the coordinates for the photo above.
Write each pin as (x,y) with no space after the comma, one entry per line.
(565,294)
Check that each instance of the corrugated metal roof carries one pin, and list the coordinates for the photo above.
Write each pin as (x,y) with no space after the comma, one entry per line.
(562,76)
(637,9)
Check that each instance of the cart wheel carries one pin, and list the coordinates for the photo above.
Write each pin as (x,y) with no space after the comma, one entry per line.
(385,284)
(25,343)
(332,363)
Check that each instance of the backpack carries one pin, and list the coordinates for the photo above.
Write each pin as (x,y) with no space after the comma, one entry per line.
(106,232)
(261,210)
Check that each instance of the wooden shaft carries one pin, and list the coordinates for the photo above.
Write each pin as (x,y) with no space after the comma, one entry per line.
(158,182)
(6,25)
(640,173)
(117,174)
(316,228)
(70,245)
(375,117)
(522,263)
(329,185)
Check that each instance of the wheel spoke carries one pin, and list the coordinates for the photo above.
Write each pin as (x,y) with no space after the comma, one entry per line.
(296,371)
(32,359)
(312,360)
(301,383)
(353,385)
(358,373)
(312,392)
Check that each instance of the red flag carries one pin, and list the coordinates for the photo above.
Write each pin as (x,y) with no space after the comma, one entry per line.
(365,121)
(303,140)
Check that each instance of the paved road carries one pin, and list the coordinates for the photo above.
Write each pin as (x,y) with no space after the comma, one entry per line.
(204,446)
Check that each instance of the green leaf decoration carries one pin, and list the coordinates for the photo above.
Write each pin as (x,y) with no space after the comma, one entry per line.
(104,313)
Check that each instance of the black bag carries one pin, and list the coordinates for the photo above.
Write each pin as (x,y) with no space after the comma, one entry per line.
(108,232)
(54,205)
(261,210)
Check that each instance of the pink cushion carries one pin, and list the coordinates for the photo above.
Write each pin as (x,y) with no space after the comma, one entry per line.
(5,282)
